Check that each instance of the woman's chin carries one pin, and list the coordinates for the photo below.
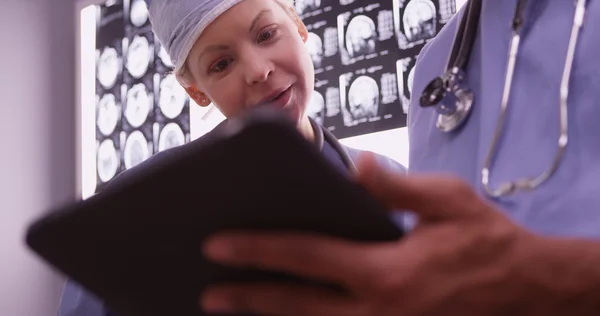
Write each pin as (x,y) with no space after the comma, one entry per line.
(292,113)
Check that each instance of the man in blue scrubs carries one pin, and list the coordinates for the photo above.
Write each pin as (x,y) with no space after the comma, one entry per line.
(534,252)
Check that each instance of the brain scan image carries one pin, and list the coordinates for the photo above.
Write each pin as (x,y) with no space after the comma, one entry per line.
(303,6)
(136,149)
(107,160)
(363,98)
(108,114)
(172,97)
(405,70)
(409,81)
(332,105)
(330,39)
(316,107)
(171,136)
(108,67)
(360,36)
(139,13)
(419,20)
(138,56)
(315,49)
(138,105)
(164,57)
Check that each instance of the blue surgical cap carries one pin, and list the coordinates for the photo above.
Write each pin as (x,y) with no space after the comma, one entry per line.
(178,23)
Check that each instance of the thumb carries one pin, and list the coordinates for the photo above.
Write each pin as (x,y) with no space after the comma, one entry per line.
(431,197)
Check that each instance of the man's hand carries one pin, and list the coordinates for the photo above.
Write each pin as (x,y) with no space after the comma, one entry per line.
(463,258)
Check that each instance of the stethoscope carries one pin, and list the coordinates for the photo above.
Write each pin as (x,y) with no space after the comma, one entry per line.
(322,135)
(453,99)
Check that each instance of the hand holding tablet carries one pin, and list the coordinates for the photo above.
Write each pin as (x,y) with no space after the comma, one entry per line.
(138,244)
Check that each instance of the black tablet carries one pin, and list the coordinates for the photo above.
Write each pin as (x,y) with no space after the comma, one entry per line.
(137,245)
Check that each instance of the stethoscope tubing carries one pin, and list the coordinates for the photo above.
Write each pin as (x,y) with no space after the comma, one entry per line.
(322,135)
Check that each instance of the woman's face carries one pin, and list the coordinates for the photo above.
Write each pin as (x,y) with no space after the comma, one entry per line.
(254,55)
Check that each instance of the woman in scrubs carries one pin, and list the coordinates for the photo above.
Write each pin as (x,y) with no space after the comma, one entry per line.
(237,55)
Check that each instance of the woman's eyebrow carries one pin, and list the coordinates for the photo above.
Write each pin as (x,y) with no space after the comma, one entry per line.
(257,19)
(212,48)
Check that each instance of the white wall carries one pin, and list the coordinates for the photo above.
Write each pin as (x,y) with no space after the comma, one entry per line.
(37,139)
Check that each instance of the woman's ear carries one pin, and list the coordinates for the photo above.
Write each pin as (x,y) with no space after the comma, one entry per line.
(187,82)
(199,97)
(303,32)
(301,27)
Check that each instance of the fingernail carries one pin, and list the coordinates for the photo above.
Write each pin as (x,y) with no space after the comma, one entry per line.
(218,250)
(216,304)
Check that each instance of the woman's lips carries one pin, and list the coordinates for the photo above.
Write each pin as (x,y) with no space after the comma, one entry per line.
(281,100)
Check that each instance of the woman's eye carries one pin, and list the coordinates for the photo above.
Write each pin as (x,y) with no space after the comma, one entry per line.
(221,65)
(266,35)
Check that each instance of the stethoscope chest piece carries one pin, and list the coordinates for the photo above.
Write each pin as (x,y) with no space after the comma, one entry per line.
(451,97)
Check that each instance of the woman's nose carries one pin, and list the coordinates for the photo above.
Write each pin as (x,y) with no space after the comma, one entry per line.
(258,68)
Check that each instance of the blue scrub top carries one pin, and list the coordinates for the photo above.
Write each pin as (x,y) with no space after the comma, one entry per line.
(569,203)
